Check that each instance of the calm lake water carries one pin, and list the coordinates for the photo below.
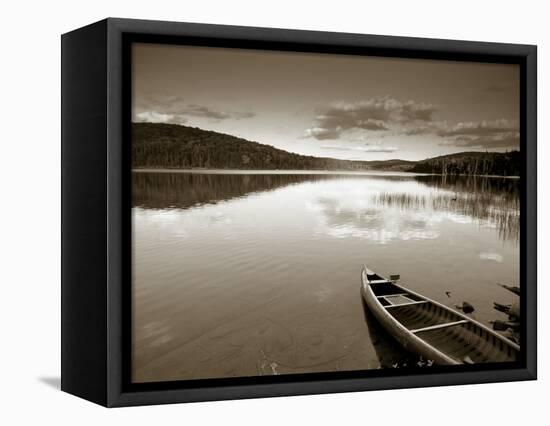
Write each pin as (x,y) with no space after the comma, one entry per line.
(244,274)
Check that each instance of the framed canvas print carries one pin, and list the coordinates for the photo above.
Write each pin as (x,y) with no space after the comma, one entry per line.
(253,212)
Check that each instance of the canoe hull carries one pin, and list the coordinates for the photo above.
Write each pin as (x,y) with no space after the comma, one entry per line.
(431,329)
(400,333)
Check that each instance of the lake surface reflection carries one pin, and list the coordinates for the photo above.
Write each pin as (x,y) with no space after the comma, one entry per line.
(255,274)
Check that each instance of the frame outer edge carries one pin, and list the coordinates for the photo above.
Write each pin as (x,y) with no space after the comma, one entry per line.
(83,233)
(116,396)
(319,37)
(531,196)
(115,213)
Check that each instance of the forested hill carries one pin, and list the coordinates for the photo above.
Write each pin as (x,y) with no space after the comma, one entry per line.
(472,163)
(174,146)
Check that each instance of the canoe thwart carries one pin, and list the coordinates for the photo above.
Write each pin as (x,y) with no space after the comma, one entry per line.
(396,294)
(416,302)
(435,327)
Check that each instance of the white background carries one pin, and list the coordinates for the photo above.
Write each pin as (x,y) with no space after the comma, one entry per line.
(30,212)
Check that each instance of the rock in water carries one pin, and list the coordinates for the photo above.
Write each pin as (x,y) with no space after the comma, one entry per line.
(512,310)
(513,289)
(466,307)
(499,325)
(500,307)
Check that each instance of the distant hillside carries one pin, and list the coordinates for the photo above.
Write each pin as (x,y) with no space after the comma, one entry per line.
(172,146)
(393,165)
(472,163)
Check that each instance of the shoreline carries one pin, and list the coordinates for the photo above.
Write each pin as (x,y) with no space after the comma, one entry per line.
(302,172)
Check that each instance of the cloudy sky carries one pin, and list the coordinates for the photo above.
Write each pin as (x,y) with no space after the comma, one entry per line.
(350,107)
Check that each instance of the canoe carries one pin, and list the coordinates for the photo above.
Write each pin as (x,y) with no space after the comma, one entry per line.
(431,329)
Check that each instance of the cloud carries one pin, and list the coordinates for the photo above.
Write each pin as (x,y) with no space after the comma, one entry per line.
(321,133)
(502,133)
(505,140)
(378,148)
(482,128)
(411,111)
(175,110)
(206,112)
(368,148)
(373,115)
(421,129)
(387,116)
(337,148)
(157,117)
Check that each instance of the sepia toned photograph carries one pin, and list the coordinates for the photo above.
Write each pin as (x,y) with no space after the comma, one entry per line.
(298,212)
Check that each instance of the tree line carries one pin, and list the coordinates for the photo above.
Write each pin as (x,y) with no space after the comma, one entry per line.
(173,146)
(472,163)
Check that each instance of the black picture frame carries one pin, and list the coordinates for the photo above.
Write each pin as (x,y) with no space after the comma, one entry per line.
(96,201)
